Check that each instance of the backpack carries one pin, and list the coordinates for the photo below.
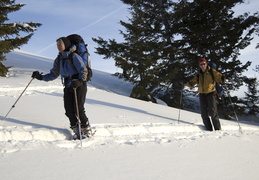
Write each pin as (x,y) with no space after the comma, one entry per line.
(81,50)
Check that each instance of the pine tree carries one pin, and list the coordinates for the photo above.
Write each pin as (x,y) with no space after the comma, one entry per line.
(252,96)
(10,37)
(209,29)
(164,40)
(140,55)
(256,68)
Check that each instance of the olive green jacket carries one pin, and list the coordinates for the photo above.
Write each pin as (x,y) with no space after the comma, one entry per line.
(205,81)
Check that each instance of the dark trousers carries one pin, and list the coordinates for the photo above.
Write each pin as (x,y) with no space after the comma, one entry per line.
(208,106)
(70,104)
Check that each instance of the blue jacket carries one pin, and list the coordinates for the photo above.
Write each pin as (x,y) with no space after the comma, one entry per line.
(66,68)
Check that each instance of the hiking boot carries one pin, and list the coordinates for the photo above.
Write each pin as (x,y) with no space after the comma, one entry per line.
(75,129)
(86,130)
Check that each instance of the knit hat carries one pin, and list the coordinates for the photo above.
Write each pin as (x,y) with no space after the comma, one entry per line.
(66,42)
(202,60)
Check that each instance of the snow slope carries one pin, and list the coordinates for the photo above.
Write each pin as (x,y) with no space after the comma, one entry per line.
(134,139)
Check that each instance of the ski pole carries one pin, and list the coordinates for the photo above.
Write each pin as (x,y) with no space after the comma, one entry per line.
(232,104)
(17,99)
(78,118)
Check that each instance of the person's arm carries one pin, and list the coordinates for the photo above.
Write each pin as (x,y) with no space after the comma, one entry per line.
(54,72)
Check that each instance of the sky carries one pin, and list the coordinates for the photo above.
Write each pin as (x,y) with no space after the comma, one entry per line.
(88,18)
(91,18)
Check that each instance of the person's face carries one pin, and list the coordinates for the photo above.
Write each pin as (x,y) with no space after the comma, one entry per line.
(60,45)
(203,66)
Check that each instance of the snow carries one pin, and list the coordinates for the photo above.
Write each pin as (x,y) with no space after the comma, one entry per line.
(134,139)
(24,25)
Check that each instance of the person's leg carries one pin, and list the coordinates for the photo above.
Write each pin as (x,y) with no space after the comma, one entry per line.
(204,111)
(69,104)
(81,96)
(212,106)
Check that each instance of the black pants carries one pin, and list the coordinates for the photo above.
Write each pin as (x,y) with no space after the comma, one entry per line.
(70,104)
(208,106)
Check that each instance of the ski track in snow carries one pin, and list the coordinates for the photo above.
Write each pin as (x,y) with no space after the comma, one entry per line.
(15,138)
(19,138)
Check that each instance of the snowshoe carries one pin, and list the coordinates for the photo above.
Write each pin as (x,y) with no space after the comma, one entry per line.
(86,131)
(76,135)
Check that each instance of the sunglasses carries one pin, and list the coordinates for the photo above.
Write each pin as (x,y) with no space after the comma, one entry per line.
(202,64)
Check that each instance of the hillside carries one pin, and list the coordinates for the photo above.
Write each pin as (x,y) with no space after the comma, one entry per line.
(134,139)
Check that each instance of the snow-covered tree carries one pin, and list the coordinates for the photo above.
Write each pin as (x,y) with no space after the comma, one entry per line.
(164,40)
(10,37)
(252,96)
(256,68)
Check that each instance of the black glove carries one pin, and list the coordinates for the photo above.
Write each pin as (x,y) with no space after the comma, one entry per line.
(76,83)
(36,75)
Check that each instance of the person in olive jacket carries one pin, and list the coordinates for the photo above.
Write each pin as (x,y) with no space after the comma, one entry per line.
(206,79)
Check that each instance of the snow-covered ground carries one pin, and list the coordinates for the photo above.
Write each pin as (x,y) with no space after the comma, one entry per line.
(134,139)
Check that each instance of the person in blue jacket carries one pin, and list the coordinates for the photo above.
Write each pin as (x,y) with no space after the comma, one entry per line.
(73,75)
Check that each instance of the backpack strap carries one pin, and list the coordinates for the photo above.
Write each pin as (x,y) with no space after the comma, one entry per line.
(82,52)
(70,60)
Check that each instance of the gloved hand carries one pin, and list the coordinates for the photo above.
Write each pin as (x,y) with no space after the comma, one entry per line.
(184,80)
(36,75)
(76,83)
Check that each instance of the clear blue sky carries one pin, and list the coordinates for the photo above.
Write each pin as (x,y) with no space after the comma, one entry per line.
(89,18)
